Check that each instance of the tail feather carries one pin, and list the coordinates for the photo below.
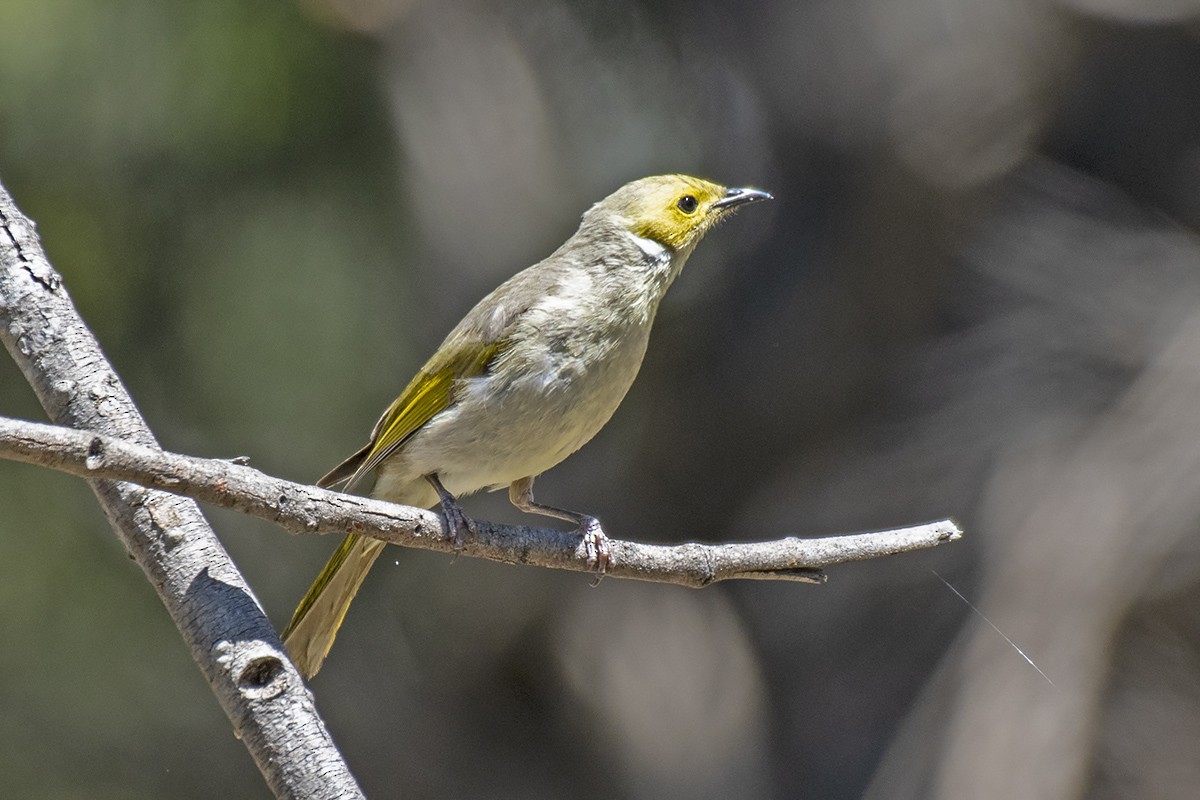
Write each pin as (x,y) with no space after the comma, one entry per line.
(347,469)
(311,632)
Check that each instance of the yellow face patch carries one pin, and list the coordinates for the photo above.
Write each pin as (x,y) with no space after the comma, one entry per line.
(674,210)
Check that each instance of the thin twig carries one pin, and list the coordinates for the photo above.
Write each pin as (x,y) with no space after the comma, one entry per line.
(307,509)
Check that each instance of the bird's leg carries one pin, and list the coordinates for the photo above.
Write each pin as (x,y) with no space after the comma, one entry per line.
(456,519)
(595,542)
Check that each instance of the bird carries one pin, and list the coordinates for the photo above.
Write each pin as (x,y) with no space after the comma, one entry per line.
(528,376)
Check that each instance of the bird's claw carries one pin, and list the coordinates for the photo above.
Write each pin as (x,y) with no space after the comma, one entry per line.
(459,524)
(596,548)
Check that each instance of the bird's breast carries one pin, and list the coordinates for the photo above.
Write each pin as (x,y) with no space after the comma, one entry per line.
(558,380)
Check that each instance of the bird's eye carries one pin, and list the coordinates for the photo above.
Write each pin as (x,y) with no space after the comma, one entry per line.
(687,204)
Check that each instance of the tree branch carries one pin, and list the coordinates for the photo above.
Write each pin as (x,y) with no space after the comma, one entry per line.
(307,509)
(218,616)
(108,443)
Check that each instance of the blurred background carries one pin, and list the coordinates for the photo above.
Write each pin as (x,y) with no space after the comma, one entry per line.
(977,295)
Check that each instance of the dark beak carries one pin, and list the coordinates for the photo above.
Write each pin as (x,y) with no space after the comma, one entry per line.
(738,197)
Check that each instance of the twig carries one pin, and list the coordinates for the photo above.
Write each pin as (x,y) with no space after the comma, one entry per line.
(307,509)
(218,616)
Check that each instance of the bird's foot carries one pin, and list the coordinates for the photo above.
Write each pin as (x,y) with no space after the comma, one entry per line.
(595,542)
(595,546)
(459,524)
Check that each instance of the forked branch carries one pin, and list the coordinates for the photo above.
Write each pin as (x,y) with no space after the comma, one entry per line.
(107,442)
(229,636)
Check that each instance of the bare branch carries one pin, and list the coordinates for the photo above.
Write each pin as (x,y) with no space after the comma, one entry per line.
(218,616)
(308,509)
(107,442)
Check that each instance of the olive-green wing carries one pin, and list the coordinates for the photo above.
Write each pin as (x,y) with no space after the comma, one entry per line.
(428,393)
(461,356)
(466,353)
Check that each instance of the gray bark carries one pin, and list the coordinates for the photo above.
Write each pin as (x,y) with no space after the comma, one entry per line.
(218,616)
(307,509)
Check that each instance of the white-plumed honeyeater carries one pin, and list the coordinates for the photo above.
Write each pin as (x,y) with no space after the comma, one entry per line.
(532,372)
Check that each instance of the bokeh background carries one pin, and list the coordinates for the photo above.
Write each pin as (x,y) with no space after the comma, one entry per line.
(976,295)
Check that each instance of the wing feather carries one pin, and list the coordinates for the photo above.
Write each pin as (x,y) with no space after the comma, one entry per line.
(466,353)
(427,394)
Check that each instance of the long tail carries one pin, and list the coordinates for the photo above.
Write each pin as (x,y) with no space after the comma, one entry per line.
(310,634)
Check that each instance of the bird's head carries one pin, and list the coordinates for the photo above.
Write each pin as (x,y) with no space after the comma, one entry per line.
(674,211)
